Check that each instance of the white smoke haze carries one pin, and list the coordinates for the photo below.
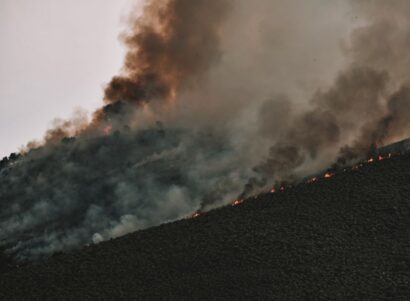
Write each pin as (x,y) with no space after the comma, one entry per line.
(218,100)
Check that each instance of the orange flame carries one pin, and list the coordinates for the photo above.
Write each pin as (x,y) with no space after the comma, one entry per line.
(237,202)
(282,188)
(312,180)
(195,214)
(328,175)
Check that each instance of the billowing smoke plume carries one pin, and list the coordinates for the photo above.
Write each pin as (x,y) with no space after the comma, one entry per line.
(366,106)
(217,100)
(170,47)
(124,170)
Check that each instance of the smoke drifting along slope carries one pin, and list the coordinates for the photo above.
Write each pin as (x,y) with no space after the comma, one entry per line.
(217,99)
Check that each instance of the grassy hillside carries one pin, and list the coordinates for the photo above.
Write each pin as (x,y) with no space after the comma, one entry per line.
(342,238)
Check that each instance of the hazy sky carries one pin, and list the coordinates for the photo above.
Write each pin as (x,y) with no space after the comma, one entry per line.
(55,55)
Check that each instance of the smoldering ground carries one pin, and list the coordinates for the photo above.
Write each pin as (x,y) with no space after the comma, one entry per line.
(246,94)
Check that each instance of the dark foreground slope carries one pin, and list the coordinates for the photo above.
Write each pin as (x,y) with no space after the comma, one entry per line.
(344,238)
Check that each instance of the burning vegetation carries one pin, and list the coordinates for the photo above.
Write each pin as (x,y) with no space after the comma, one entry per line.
(327,175)
(212,105)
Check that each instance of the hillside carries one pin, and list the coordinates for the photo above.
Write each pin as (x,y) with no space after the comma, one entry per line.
(342,238)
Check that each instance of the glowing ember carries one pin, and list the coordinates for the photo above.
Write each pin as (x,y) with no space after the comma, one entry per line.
(282,188)
(237,202)
(312,180)
(108,129)
(328,175)
(196,214)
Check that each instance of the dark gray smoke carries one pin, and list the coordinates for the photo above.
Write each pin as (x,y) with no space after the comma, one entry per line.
(84,190)
(367,105)
(171,46)
(92,181)
(217,99)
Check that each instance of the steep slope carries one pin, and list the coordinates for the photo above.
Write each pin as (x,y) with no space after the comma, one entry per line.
(342,238)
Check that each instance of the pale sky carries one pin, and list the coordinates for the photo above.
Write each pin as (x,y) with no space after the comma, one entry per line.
(55,56)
